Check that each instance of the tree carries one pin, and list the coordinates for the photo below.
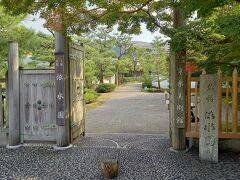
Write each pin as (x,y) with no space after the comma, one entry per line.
(214,39)
(38,46)
(100,56)
(160,64)
(7,26)
(104,58)
(124,47)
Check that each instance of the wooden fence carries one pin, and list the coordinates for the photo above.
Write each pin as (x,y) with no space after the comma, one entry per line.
(228,121)
(2,103)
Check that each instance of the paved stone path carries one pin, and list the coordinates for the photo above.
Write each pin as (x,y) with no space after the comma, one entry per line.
(141,157)
(130,111)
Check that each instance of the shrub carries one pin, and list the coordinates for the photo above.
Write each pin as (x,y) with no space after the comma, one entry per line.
(146,81)
(90,96)
(105,88)
(154,90)
(147,84)
(132,79)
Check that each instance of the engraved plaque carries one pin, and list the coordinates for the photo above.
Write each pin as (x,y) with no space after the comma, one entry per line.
(208,144)
(60,98)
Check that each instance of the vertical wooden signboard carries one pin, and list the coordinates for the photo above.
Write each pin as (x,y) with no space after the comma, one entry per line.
(60,96)
(208,144)
(180,87)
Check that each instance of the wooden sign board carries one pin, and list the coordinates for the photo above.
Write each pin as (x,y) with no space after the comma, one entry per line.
(60,95)
(208,143)
(180,105)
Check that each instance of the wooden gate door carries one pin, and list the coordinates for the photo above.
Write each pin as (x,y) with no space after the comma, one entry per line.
(77,102)
(37,105)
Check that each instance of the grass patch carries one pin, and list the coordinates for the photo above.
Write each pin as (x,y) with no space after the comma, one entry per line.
(102,98)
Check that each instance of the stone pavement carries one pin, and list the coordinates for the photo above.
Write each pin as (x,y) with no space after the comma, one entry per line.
(141,157)
(130,111)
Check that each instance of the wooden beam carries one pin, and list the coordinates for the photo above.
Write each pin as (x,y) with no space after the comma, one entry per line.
(222,135)
(196,106)
(62,91)
(178,90)
(13,95)
(234,100)
(195,79)
(227,108)
(189,102)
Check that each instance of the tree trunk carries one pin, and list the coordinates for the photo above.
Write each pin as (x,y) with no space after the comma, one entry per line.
(159,82)
(177,91)
(101,77)
(117,75)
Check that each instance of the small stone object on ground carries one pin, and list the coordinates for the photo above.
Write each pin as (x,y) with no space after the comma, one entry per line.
(110,168)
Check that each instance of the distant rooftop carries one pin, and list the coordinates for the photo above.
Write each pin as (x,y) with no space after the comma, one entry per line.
(142,44)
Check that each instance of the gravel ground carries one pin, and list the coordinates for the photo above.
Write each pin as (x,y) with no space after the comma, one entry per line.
(141,157)
(143,150)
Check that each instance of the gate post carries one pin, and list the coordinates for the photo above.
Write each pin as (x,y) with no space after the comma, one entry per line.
(177,92)
(62,91)
(13,96)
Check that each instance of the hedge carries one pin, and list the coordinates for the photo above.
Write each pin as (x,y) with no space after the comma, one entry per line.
(105,88)
(90,96)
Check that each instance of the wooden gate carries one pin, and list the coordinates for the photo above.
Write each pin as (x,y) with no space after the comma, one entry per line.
(77,104)
(37,105)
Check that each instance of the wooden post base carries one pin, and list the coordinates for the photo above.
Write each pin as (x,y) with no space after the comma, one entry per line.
(110,168)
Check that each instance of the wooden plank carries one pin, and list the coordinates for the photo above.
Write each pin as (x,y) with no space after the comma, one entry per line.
(37,138)
(195,90)
(196,106)
(229,135)
(13,95)
(227,109)
(230,79)
(1,109)
(77,106)
(37,71)
(208,143)
(189,102)
(222,135)
(197,79)
(227,79)
(230,90)
(60,91)
(234,100)
(192,134)
(219,74)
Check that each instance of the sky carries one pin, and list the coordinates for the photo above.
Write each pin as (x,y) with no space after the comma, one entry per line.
(37,25)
